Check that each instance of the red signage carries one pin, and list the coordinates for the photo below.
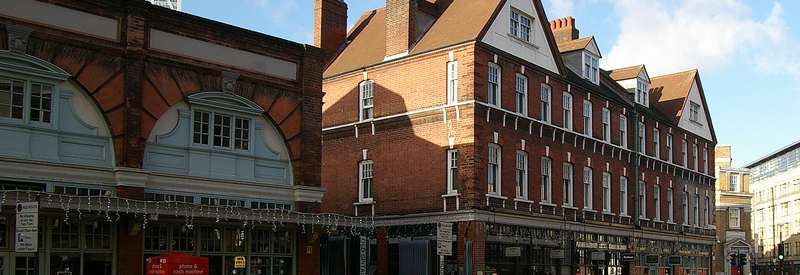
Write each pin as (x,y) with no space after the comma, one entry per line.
(176,263)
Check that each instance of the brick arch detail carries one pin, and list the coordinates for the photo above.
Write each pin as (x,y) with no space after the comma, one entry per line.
(103,77)
(163,87)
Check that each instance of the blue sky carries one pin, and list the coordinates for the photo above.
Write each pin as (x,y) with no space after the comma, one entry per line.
(743,48)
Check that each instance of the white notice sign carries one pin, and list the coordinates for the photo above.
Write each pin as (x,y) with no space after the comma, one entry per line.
(26,238)
(444,238)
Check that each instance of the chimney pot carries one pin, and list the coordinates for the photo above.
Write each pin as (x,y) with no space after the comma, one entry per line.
(564,29)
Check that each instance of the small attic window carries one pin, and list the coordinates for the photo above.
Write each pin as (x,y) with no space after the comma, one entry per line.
(694,112)
(642,92)
(591,67)
(520,25)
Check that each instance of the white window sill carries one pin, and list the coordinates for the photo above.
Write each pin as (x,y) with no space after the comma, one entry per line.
(589,210)
(547,204)
(624,216)
(608,213)
(364,202)
(671,223)
(520,40)
(643,219)
(496,196)
(523,200)
(657,220)
(366,120)
(569,207)
(450,195)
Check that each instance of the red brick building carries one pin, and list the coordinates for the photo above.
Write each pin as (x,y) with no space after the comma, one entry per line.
(142,131)
(485,116)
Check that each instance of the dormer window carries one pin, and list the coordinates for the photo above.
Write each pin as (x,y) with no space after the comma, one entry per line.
(520,25)
(642,92)
(591,68)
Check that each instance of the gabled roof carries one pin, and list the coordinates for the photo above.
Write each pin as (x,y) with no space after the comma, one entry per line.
(627,72)
(575,45)
(668,93)
(460,21)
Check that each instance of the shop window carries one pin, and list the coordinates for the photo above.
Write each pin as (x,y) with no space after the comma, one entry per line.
(156,237)
(210,239)
(182,238)
(261,241)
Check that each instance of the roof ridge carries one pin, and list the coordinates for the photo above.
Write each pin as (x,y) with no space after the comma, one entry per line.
(695,70)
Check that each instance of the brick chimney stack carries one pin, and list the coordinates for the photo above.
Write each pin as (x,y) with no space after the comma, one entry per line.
(401,26)
(564,29)
(330,26)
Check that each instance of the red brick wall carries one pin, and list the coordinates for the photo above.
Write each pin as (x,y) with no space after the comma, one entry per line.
(398,87)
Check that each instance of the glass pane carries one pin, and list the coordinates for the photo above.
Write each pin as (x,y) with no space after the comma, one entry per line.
(26,266)
(281,266)
(65,235)
(210,239)
(98,235)
(66,262)
(259,265)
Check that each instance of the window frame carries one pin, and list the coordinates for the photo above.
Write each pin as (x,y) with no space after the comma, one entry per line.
(363,179)
(546,183)
(731,183)
(684,154)
(694,112)
(605,120)
(497,165)
(591,69)
(521,173)
(568,180)
(642,138)
(588,188)
(623,130)
(695,157)
(642,92)
(642,199)
(566,99)
(606,192)
(364,87)
(521,94)
(452,171)
(657,201)
(212,113)
(452,82)
(588,116)
(517,28)
(670,146)
(738,220)
(546,103)
(657,143)
(670,205)
(494,99)
(26,107)
(623,196)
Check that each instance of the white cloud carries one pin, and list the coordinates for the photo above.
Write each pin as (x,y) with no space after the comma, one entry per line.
(704,34)
(561,8)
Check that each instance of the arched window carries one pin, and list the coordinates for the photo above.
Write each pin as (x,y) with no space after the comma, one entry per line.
(46,117)
(218,135)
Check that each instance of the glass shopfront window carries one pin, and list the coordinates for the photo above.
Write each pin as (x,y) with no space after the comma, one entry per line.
(80,246)
(267,251)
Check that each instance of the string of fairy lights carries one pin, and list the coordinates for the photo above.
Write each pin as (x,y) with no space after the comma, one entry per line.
(112,208)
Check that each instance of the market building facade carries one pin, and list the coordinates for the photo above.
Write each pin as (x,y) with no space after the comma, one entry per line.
(484,117)
(141,131)
(776,200)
